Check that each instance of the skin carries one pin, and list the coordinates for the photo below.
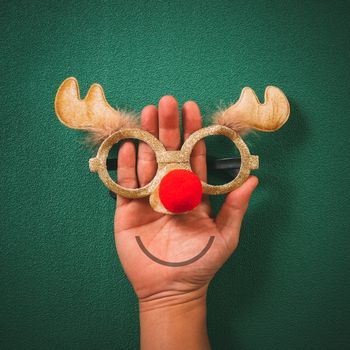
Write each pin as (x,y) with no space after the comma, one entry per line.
(172,300)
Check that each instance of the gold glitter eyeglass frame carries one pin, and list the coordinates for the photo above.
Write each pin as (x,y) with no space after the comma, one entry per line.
(170,160)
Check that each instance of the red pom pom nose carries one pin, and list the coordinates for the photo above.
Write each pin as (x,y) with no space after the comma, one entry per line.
(180,190)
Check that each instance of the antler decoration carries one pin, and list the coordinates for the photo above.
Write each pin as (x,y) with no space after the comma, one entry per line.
(248,113)
(92,114)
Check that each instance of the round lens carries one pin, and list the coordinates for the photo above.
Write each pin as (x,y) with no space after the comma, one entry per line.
(221,161)
(131,163)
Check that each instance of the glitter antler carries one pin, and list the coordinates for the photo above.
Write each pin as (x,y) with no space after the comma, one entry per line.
(248,113)
(92,114)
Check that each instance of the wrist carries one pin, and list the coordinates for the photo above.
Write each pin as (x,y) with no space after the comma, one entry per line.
(176,300)
(172,320)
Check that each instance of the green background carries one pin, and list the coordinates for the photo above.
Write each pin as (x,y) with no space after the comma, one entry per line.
(287,285)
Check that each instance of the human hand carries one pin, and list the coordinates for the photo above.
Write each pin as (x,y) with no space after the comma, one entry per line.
(172,300)
(172,237)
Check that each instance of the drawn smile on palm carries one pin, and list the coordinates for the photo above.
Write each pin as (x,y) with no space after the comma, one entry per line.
(174,264)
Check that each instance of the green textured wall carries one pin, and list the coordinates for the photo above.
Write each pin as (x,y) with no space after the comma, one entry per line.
(287,285)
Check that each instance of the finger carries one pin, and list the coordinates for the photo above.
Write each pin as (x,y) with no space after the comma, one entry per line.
(126,169)
(169,129)
(146,160)
(230,217)
(192,121)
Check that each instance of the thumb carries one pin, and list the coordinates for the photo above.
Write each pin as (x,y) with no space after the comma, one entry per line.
(231,214)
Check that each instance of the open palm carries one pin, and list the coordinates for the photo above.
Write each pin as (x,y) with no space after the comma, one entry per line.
(172,238)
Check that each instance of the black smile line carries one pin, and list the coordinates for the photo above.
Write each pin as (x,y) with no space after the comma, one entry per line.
(174,264)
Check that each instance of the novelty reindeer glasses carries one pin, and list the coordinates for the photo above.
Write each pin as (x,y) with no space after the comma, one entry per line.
(107,125)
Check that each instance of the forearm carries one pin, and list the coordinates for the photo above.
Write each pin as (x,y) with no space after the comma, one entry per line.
(174,323)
